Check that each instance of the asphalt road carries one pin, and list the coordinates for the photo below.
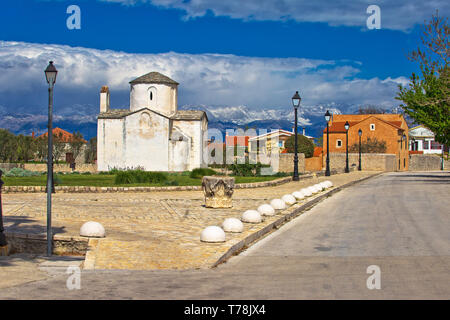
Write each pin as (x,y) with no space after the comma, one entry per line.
(399,222)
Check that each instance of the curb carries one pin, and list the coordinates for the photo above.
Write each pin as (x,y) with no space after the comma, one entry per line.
(282,220)
(86,189)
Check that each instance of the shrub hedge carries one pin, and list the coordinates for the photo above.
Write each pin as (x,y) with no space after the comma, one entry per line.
(139,176)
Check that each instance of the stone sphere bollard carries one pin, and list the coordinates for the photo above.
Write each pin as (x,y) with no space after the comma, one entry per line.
(312,189)
(306,192)
(289,199)
(232,225)
(266,210)
(251,216)
(212,234)
(92,229)
(318,187)
(218,191)
(299,195)
(278,204)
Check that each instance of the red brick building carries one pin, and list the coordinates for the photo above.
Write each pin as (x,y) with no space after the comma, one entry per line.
(384,127)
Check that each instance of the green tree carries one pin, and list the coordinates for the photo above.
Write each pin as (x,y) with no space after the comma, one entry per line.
(8,145)
(26,148)
(304,145)
(369,146)
(76,144)
(59,146)
(91,150)
(427,98)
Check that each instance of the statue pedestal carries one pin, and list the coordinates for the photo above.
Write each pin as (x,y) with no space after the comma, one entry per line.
(218,191)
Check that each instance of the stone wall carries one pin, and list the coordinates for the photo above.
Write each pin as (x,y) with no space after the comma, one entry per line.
(369,161)
(286,162)
(8,166)
(313,164)
(42,167)
(37,244)
(424,162)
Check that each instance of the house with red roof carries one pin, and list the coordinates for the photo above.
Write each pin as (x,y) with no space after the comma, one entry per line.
(384,127)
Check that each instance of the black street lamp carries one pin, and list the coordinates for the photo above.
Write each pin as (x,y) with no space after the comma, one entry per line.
(3,241)
(296,103)
(50,75)
(413,144)
(346,126)
(359,134)
(327,119)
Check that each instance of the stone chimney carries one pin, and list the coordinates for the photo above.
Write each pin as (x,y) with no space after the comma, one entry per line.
(104,99)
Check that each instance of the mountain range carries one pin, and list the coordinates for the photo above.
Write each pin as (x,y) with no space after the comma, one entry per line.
(220,117)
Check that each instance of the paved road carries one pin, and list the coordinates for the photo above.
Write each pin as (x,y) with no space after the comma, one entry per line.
(399,222)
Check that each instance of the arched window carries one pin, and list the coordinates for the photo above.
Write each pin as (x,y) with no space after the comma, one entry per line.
(152,97)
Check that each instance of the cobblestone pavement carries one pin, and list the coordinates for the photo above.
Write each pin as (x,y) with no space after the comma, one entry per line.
(159,230)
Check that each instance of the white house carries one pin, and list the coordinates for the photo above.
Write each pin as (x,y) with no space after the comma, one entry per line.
(152,134)
(422,139)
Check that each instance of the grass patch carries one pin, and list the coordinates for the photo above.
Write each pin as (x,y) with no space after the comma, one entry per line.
(103,180)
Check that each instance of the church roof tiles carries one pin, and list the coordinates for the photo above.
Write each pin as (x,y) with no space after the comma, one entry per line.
(154,77)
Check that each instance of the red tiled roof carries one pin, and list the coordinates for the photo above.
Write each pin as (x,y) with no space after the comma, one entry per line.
(65,136)
(339,126)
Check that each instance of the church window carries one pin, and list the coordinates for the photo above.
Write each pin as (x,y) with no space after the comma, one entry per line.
(151,95)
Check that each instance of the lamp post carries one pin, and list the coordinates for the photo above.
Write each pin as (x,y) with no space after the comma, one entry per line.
(406,148)
(346,126)
(327,119)
(296,103)
(359,134)
(50,75)
(413,144)
(3,241)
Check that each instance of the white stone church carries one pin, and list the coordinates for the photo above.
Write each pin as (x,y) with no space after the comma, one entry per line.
(153,134)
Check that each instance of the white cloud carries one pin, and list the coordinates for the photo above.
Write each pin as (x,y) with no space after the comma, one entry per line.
(208,79)
(397,15)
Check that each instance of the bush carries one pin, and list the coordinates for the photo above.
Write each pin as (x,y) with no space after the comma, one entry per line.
(369,146)
(139,176)
(201,172)
(304,145)
(247,169)
(19,172)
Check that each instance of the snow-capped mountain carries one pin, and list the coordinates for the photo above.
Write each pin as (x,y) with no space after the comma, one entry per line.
(220,117)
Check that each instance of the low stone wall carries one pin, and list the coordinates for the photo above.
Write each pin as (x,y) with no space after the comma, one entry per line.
(369,161)
(42,167)
(424,162)
(81,189)
(286,162)
(8,166)
(37,244)
(313,164)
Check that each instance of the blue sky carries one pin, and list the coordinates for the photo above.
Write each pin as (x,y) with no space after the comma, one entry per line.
(145,28)
(254,53)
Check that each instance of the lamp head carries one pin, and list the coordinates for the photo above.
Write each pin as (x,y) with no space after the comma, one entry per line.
(347,125)
(50,74)
(327,116)
(360,132)
(296,99)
